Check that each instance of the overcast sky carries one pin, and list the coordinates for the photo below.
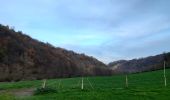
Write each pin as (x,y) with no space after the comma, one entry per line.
(106,29)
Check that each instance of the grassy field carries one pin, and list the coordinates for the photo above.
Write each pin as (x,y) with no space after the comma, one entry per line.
(142,86)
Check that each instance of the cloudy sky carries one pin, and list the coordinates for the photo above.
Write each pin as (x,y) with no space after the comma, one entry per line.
(106,29)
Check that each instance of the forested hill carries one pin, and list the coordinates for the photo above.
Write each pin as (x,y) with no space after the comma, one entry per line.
(139,65)
(24,58)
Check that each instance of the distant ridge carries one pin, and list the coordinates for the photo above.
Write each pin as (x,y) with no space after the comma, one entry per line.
(140,65)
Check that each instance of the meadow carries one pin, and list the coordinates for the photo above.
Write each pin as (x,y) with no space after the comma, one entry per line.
(141,86)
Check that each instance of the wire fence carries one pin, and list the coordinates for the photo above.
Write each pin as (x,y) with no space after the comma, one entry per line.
(146,80)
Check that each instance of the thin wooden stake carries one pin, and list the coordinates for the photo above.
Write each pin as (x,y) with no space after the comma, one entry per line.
(82,87)
(126,81)
(90,83)
(44,83)
(165,74)
(59,83)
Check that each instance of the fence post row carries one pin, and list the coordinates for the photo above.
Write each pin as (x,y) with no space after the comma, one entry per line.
(126,80)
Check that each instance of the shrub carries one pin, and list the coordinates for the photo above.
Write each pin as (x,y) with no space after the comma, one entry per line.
(46,90)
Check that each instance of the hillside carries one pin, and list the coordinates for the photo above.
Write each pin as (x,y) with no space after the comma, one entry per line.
(140,65)
(24,58)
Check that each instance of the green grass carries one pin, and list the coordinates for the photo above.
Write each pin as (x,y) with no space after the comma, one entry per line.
(142,86)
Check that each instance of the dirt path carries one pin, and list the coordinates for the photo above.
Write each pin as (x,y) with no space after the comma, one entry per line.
(20,92)
(23,92)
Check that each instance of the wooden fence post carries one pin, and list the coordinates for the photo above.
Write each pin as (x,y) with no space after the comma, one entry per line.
(44,83)
(126,81)
(165,74)
(82,87)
